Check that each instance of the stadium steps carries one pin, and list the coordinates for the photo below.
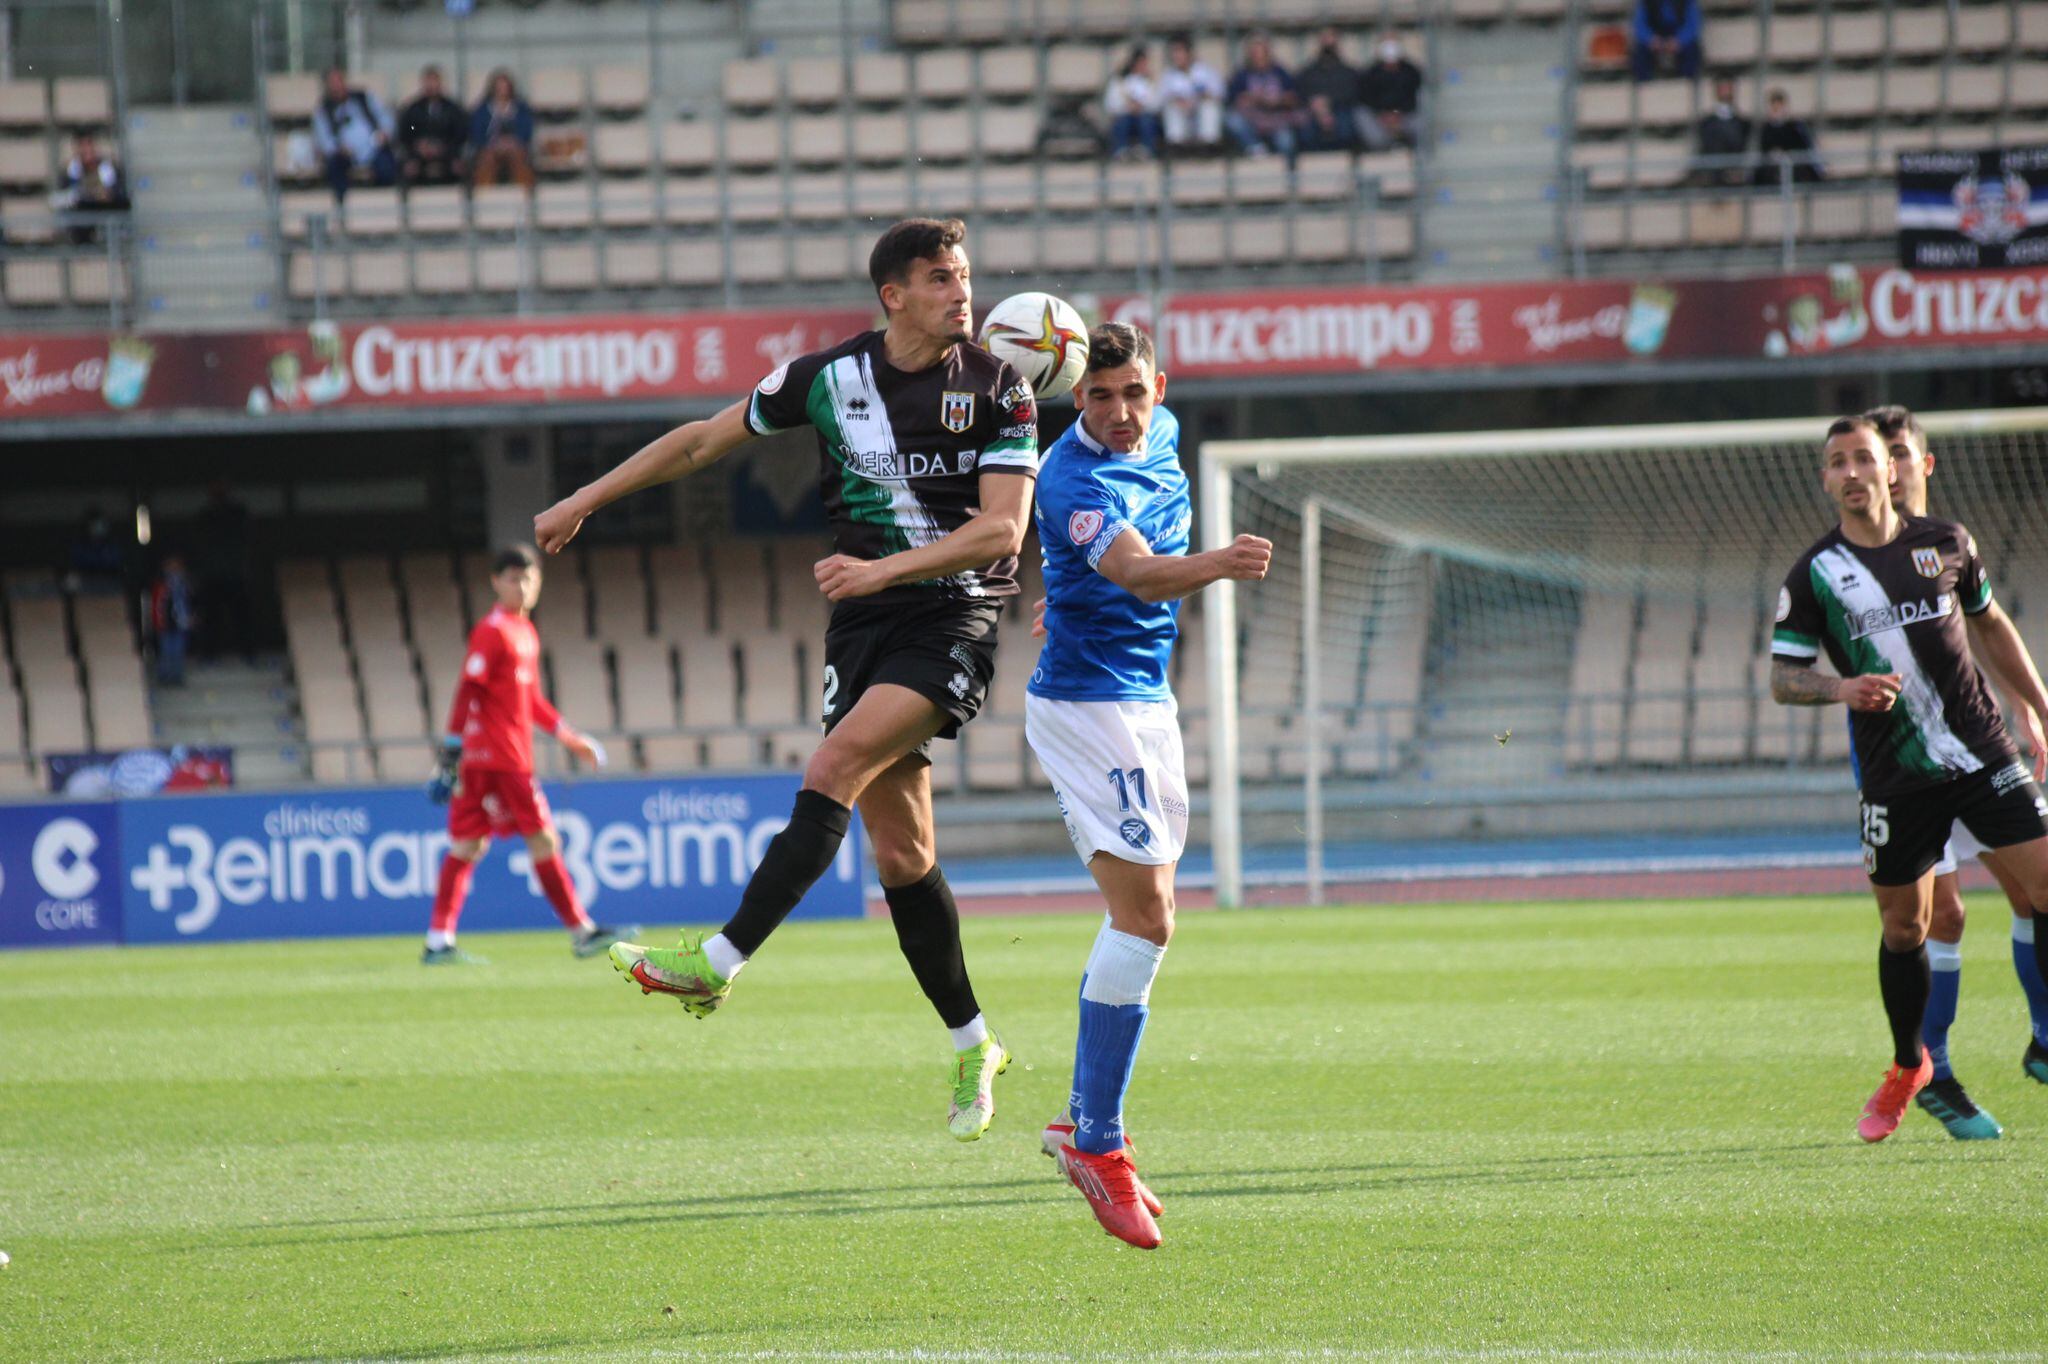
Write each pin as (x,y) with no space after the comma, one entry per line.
(1492,210)
(206,258)
(243,706)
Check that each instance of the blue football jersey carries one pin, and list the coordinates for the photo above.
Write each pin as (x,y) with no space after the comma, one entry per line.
(1102,643)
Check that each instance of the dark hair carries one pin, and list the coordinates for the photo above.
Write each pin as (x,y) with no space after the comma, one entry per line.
(430,69)
(913,239)
(1182,39)
(1844,426)
(1115,344)
(491,85)
(1894,420)
(1138,53)
(1778,96)
(514,558)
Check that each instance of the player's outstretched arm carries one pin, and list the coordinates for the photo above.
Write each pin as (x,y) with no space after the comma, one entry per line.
(1795,685)
(1131,565)
(685,450)
(995,532)
(1996,640)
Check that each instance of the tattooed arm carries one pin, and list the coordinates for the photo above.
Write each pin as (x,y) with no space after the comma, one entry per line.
(1794,685)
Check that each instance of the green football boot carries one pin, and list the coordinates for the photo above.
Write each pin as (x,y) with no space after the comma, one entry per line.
(1946,1103)
(682,971)
(974,1077)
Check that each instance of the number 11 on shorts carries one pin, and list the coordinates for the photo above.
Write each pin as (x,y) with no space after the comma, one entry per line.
(1130,785)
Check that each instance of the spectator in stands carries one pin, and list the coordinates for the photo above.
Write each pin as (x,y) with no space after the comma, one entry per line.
(351,130)
(1133,103)
(1723,140)
(172,614)
(1667,39)
(1192,96)
(431,132)
(501,131)
(1391,91)
(1785,140)
(1265,107)
(92,185)
(1332,92)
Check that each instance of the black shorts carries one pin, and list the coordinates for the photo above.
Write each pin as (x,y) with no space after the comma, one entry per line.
(943,649)
(1904,836)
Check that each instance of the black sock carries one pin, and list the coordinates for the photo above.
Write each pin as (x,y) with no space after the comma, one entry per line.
(795,859)
(1902,978)
(928,929)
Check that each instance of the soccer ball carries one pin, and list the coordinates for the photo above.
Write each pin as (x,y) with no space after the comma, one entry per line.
(1041,337)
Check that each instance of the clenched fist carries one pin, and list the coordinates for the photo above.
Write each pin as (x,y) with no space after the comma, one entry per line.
(554,528)
(1246,558)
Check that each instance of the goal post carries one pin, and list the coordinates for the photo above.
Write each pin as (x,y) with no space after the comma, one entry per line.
(1503,618)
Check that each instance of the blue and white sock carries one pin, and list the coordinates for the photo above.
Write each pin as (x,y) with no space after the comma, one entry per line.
(1945,980)
(2027,967)
(1114,992)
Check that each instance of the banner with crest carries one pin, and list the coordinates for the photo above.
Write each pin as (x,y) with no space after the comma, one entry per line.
(1973,210)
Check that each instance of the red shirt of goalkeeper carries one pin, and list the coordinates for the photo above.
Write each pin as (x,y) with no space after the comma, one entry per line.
(497,705)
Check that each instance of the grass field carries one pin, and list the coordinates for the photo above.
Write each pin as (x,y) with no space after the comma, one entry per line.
(1588,1131)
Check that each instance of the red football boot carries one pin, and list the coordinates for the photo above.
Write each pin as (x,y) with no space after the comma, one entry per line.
(1886,1107)
(1110,1184)
(1060,1131)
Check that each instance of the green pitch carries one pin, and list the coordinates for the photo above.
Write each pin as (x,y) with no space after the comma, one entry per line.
(1604,1131)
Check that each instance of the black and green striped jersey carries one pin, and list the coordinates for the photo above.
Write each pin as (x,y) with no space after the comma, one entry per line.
(902,454)
(1899,608)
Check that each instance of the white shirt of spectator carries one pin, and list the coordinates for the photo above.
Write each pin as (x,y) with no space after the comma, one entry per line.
(352,132)
(1132,94)
(1197,83)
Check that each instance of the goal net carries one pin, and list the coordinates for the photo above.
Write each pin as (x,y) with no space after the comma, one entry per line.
(1549,635)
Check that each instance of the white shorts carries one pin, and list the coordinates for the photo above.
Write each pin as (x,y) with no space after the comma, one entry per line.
(1962,846)
(1119,773)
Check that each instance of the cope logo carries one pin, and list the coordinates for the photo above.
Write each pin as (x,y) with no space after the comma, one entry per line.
(60,863)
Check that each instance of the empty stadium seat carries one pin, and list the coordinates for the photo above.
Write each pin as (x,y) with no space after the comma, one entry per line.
(710,683)
(1601,655)
(24,104)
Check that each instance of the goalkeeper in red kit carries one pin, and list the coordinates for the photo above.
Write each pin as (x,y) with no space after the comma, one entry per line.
(486,765)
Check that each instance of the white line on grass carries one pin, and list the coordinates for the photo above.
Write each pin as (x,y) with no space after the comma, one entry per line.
(1421,1355)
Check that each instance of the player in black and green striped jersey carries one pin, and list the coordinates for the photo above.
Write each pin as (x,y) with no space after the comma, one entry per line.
(1887,597)
(928,448)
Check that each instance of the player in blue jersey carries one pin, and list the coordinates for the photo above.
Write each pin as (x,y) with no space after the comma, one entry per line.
(1113,519)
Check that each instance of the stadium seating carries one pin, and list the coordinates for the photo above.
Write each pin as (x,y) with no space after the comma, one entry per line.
(1870,80)
(819,149)
(80,684)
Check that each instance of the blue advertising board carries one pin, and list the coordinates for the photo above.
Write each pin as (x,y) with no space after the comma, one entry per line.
(60,875)
(365,861)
